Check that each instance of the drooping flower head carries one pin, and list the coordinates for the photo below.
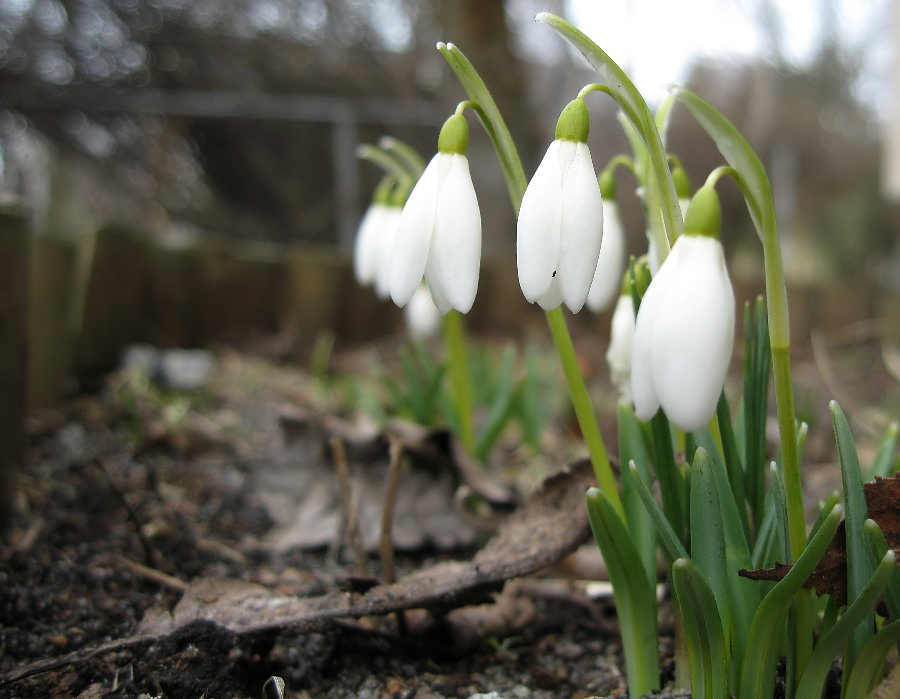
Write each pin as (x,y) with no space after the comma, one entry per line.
(621,339)
(684,330)
(439,232)
(611,260)
(375,236)
(560,224)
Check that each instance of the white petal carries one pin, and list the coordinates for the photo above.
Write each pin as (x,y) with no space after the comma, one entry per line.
(439,297)
(694,332)
(538,227)
(643,386)
(621,341)
(410,253)
(455,258)
(610,263)
(653,260)
(422,317)
(646,401)
(365,249)
(551,298)
(581,228)
(384,251)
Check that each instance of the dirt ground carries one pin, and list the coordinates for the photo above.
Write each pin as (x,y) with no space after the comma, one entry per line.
(131,497)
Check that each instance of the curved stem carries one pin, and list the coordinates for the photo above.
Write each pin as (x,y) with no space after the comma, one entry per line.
(516,182)
(491,120)
(405,152)
(660,186)
(455,344)
(388,161)
(584,411)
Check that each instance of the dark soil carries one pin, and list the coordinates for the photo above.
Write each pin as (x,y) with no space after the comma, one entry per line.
(122,507)
(130,495)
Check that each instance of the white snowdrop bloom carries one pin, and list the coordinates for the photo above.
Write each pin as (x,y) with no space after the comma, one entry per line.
(621,339)
(370,236)
(439,233)
(684,330)
(560,224)
(383,249)
(610,263)
(423,319)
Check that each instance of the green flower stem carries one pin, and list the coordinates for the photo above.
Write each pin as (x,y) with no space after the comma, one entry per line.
(455,344)
(390,162)
(414,161)
(660,185)
(584,411)
(516,182)
(492,121)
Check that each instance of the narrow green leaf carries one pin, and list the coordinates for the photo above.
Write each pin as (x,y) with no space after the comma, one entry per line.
(706,644)
(859,562)
(707,537)
(668,538)
(878,546)
(743,595)
(634,596)
(813,678)
(633,451)
(758,672)
(766,547)
(868,669)
(883,464)
(733,465)
(672,485)
(500,408)
(757,370)
(824,509)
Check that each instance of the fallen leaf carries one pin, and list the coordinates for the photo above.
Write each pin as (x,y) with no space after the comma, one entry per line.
(545,529)
(830,576)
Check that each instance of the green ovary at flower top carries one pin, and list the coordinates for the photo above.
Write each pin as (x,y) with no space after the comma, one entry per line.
(684,330)
(439,232)
(560,224)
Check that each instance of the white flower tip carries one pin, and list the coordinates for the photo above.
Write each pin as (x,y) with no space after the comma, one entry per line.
(541,16)
(440,46)
(644,412)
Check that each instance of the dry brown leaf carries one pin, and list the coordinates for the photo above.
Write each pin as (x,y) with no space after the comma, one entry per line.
(830,575)
(547,527)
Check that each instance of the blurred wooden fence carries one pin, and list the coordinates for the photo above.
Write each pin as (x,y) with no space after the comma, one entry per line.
(87,300)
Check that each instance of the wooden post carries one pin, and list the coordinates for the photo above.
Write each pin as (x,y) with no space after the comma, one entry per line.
(14,272)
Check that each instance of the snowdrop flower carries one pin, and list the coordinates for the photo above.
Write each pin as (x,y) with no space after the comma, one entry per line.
(423,319)
(374,236)
(561,219)
(611,261)
(685,326)
(621,338)
(439,232)
(390,224)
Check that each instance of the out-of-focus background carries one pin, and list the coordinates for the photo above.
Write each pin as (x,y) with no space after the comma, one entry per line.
(184,172)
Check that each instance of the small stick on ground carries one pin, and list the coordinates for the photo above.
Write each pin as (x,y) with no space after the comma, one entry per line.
(151,555)
(386,541)
(349,511)
(153,574)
